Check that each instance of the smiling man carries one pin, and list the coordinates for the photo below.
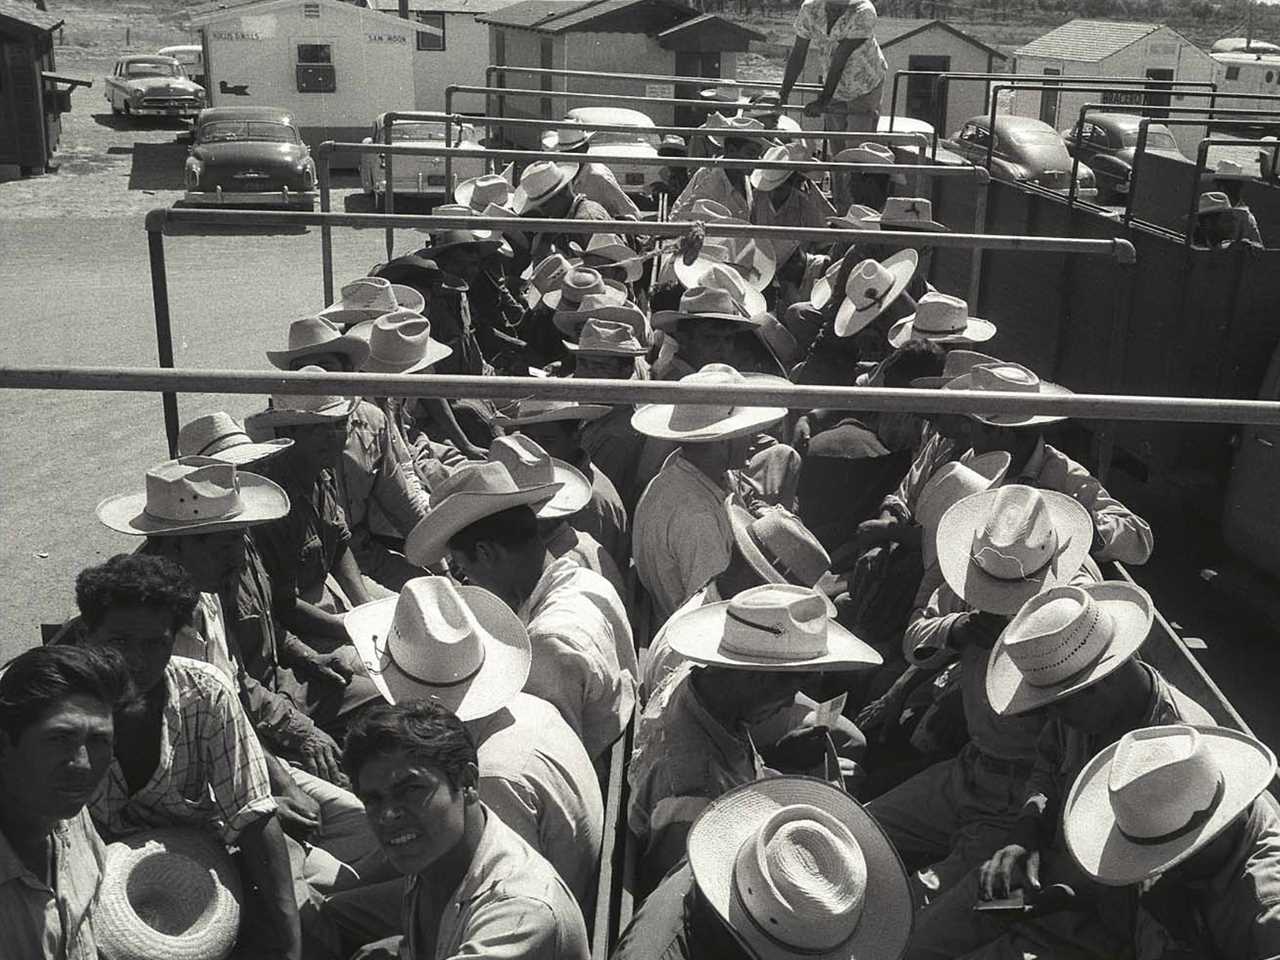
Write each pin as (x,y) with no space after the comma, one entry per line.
(56,736)
(474,888)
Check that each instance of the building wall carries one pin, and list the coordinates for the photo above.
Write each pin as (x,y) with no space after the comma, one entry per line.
(373,57)
(624,53)
(462,61)
(964,99)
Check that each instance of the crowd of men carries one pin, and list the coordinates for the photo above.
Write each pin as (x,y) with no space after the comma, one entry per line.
(355,692)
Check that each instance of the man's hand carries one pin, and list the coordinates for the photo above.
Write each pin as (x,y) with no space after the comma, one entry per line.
(298,812)
(881,716)
(326,668)
(1012,868)
(798,750)
(388,949)
(815,108)
(321,756)
(977,628)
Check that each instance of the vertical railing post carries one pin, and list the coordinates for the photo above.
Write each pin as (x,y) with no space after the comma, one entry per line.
(389,195)
(326,231)
(164,329)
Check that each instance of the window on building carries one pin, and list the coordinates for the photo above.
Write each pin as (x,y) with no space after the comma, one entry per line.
(1233,73)
(430,31)
(315,53)
(314,68)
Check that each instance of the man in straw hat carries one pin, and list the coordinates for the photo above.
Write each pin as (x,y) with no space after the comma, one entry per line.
(595,181)
(56,738)
(1181,813)
(485,522)
(546,192)
(730,188)
(753,653)
(1218,222)
(852,65)
(740,896)
(788,198)
(474,887)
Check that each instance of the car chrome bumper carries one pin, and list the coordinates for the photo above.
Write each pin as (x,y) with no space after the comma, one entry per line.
(190,112)
(282,197)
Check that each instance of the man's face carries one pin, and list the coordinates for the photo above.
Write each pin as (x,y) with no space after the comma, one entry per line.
(710,341)
(603,368)
(417,815)
(743,149)
(143,636)
(1091,710)
(55,765)
(212,559)
(558,437)
(490,566)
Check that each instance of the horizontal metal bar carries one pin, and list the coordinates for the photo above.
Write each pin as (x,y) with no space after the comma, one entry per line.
(1086,406)
(706,82)
(1195,122)
(708,105)
(1145,111)
(1093,81)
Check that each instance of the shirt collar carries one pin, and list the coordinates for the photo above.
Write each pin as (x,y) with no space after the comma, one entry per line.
(492,862)
(11,865)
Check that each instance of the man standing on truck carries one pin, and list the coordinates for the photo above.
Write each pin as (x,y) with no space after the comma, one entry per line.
(854,68)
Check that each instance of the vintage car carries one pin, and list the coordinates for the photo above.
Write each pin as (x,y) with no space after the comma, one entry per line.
(1026,150)
(152,86)
(635,179)
(417,176)
(191,56)
(1108,143)
(249,155)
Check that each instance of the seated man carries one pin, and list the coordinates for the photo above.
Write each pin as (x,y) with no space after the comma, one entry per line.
(594,181)
(547,192)
(56,738)
(732,188)
(475,888)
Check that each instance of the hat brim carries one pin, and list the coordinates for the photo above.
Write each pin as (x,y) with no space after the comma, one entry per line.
(356,349)
(976,330)
(435,352)
(261,501)
(522,203)
(552,298)
(924,226)
(246,453)
(280,417)
(850,319)
(1131,611)
(507,657)
(1105,854)
(965,382)
(492,243)
(573,495)
(979,589)
(577,411)
(734,818)
(571,322)
(343,317)
(654,420)
(429,539)
(739,520)
(612,257)
(690,274)
(666,320)
(604,351)
(847,223)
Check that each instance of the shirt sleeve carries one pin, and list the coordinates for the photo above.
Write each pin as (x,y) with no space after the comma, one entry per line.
(699,553)
(936,608)
(594,697)
(858,23)
(1121,533)
(332,517)
(513,928)
(1039,810)
(235,767)
(516,806)
(602,186)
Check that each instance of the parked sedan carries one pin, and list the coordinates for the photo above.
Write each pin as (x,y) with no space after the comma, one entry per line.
(1025,150)
(249,155)
(191,56)
(152,86)
(418,176)
(635,179)
(1109,143)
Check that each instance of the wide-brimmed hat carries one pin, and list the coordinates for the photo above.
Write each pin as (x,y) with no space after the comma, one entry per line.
(477,193)
(941,318)
(1158,795)
(519,413)
(401,342)
(298,409)
(546,276)
(531,466)
(727,277)
(568,137)
(777,545)
(364,298)
(312,336)
(949,485)
(173,893)
(601,306)
(459,646)
(194,495)
(438,242)
(539,183)
(798,870)
(752,259)
(672,145)
(870,153)
(858,217)
(1229,170)
(606,338)
(1063,640)
(997,549)
(705,303)
(871,287)
(766,180)
(470,493)
(1010,378)
(483,242)
(778,627)
(908,213)
(706,423)
(580,282)
(219,436)
(957,363)
(717,120)
(1213,201)
(606,250)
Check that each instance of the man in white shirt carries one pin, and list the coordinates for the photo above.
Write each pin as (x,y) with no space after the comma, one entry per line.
(854,68)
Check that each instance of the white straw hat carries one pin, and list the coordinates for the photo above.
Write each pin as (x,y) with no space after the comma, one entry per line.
(706,423)
(171,893)
(705,303)
(606,250)
(528,410)
(726,277)
(752,259)
(364,298)
(908,213)
(943,319)
(1006,377)
(950,484)
(401,342)
(460,646)
(1064,640)
(531,466)
(539,183)
(300,409)
(858,217)
(311,336)
(872,286)
(777,545)
(1213,201)
(767,180)
(194,495)
(958,362)
(219,436)
(1151,800)
(797,869)
(999,548)
(477,193)
(545,278)
(606,338)
(601,306)
(777,627)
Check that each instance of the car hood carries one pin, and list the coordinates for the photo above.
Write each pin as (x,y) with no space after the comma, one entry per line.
(250,152)
(163,86)
(1042,156)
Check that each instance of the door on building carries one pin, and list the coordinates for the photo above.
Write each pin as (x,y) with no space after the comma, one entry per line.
(922,92)
(1049,98)
(693,63)
(1158,96)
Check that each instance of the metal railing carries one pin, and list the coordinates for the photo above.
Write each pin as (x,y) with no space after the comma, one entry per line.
(706,82)
(1202,163)
(566,95)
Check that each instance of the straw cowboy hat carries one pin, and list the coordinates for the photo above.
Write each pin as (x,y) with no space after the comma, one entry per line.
(470,493)
(531,466)
(705,303)
(601,306)
(777,545)
(401,342)
(299,410)
(1009,378)
(483,241)
(958,362)
(606,338)
(871,287)
(570,137)
(908,213)
(479,233)
(949,485)
(606,250)
(1158,795)
(478,192)
(1213,201)
(751,258)
(540,182)
(798,870)
(858,217)
(1063,640)
(767,180)
(173,893)
(718,120)
(529,410)
(546,276)
(778,627)
(219,436)
(579,282)
(999,548)
(312,336)
(459,646)
(708,422)
(367,298)
(194,495)
(870,153)
(726,277)
(943,319)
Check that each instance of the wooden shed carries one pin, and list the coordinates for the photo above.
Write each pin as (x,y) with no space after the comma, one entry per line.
(32,96)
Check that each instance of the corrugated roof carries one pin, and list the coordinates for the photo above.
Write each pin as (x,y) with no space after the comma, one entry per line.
(557,16)
(711,19)
(1087,41)
(891,30)
(24,13)
(450,6)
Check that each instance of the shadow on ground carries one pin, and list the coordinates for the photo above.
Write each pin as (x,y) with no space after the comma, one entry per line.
(156,166)
(228,227)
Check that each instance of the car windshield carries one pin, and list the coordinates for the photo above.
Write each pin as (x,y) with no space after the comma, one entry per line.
(417,130)
(222,131)
(1033,136)
(1157,139)
(614,138)
(152,68)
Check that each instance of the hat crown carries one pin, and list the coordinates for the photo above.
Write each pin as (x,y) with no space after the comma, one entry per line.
(776,622)
(960,362)
(192,489)
(1161,778)
(368,293)
(907,209)
(579,283)
(313,332)
(488,477)
(306,403)
(706,299)
(1008,377)
(490,188)
(802,877)
(869,282)
(1056,635)
(697,416)
(550,272)
(607,334)
(941,313)
(210,434)
(526,462)
(705,209)
(542,179)
(434,636)
(948,486)
(1018,538)
(1212,201)
(399,337)
(789,546)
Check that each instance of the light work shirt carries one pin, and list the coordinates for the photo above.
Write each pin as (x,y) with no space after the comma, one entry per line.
(866,67)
